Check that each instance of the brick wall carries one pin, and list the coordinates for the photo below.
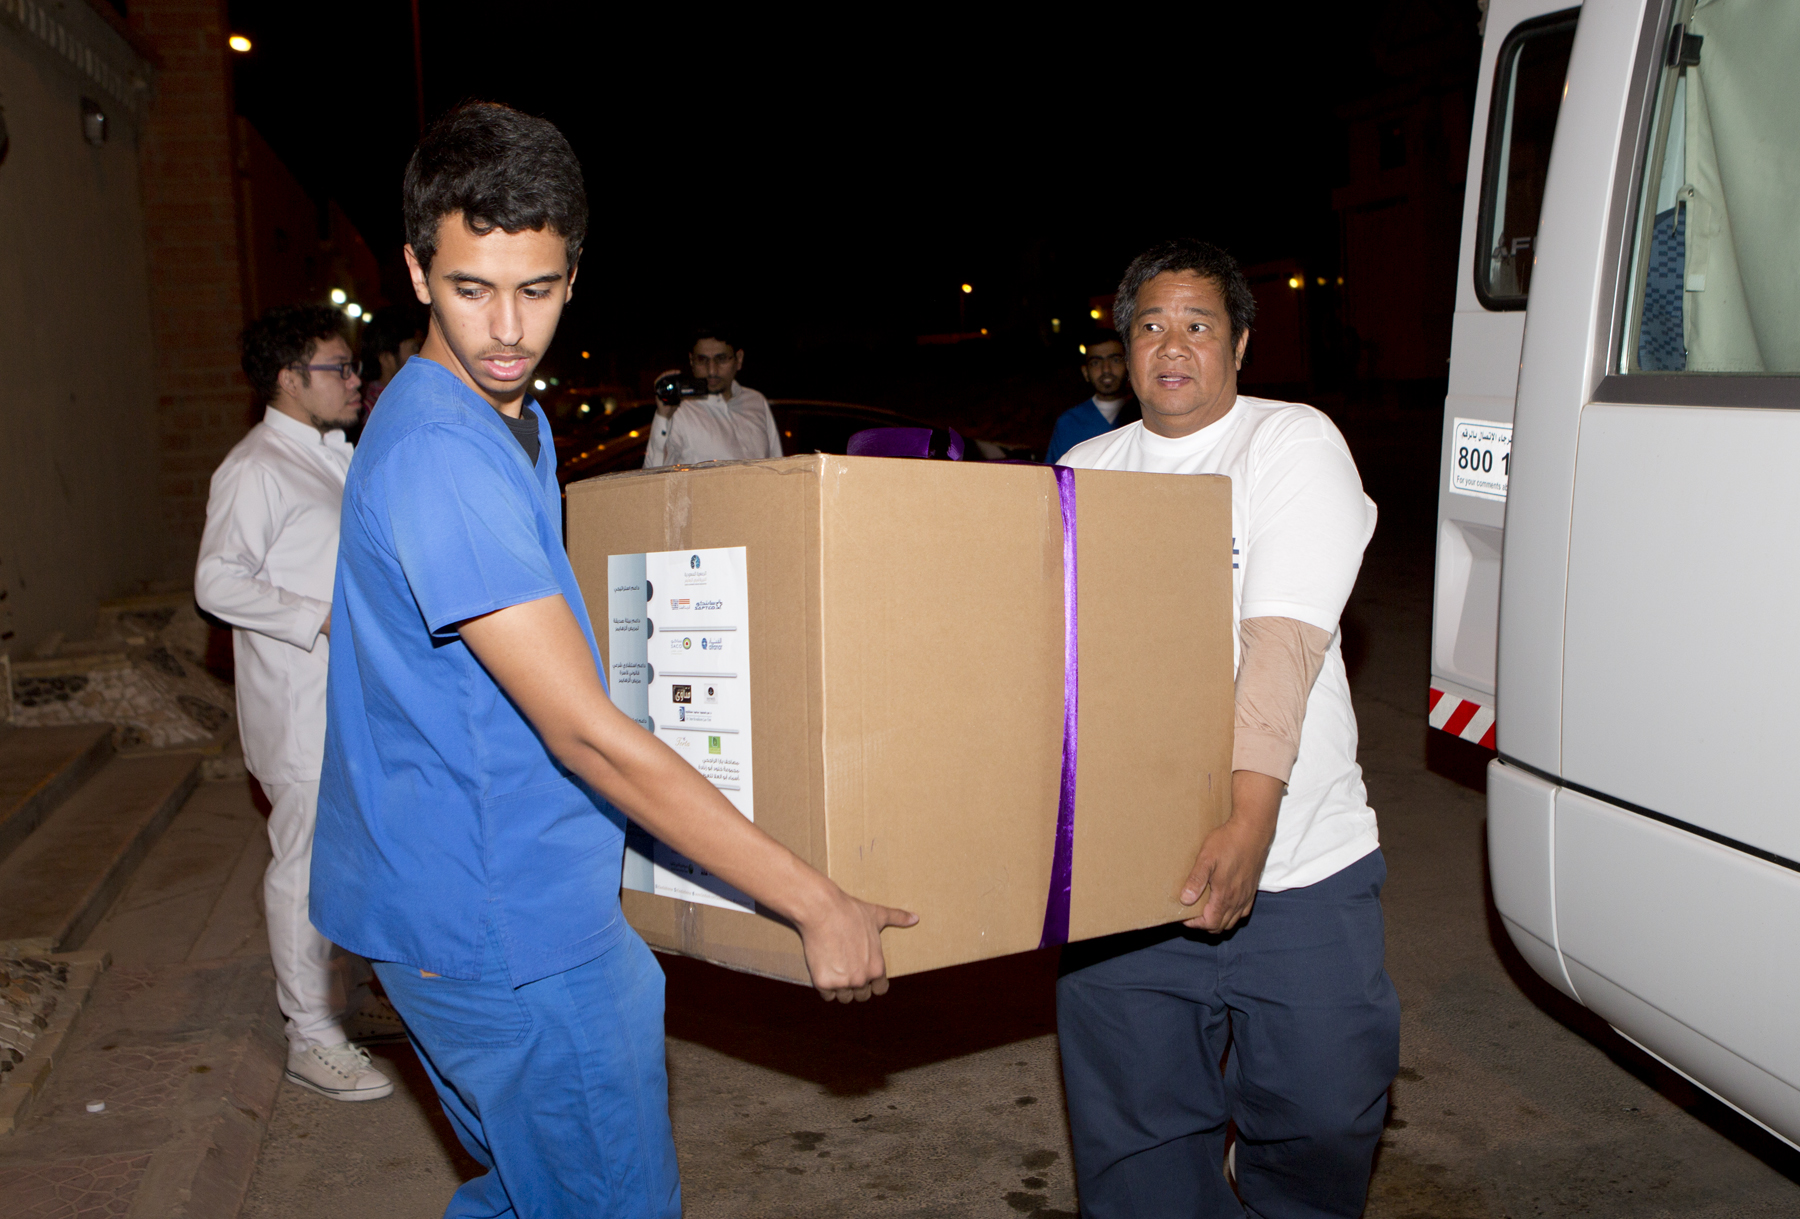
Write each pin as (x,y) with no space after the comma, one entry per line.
(192,228)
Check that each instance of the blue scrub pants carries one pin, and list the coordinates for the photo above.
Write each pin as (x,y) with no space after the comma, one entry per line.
(1299,998)
(559,1087)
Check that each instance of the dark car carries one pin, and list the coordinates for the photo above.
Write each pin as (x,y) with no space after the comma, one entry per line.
(617,441)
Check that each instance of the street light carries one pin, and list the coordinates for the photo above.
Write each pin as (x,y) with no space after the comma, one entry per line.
(968,288)
(354,310)
(1094,313)
(339,296)
(238,43)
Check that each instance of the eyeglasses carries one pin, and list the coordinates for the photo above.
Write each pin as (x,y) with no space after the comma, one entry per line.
(344,368)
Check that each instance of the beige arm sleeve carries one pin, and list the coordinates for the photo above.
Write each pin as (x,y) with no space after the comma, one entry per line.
(1280,660)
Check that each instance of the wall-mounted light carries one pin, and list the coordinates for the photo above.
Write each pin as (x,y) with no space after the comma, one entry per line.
(968,288)
(1094,313)
(93,122)
(1294,281)
(238,43)
(1056,325)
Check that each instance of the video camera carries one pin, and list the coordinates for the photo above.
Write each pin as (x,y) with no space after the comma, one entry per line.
(671,389)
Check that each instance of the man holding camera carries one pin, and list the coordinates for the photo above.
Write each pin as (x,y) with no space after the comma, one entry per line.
(727,422)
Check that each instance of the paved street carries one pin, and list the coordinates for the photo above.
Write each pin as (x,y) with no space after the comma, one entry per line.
(944,1099)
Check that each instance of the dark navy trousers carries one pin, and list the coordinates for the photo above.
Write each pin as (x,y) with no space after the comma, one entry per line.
(1297,1005)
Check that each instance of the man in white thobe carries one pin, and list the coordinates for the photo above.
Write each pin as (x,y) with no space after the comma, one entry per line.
(730,422)
(266,566)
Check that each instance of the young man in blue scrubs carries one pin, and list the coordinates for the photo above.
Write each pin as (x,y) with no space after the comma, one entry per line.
(476,775)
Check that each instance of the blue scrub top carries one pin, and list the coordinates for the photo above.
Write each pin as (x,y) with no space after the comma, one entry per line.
(1075,425)
(442,816)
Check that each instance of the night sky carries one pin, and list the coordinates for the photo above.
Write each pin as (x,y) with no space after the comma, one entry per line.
(827,187)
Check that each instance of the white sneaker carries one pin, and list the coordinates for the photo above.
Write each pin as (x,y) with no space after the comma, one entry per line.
(341,1072)
(373,1022)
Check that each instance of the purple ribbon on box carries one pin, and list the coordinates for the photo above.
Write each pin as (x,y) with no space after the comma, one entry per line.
(941,443)
(944,443)
(1062,861)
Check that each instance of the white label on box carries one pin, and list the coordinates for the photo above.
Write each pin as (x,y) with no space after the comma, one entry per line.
(1480,458)
(680,666)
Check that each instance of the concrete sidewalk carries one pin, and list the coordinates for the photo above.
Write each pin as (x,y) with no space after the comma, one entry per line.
(180,1039)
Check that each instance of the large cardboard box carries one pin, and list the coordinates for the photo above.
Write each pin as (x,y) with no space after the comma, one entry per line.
(906,669)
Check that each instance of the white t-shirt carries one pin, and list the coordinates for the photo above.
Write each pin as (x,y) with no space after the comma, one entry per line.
(714,428)
(1108,408)
(1299,523)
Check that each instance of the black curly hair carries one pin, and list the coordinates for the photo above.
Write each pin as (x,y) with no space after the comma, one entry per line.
(502,170)
(283,337)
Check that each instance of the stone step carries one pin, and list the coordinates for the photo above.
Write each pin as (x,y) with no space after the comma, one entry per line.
(40,768)
(57,884)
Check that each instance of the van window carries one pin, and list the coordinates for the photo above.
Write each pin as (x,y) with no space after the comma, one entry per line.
(1715,284)
(1528,91)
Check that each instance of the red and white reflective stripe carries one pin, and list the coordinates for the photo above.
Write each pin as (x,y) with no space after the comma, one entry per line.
(1460,717)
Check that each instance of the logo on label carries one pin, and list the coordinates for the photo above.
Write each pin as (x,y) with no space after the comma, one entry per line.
(681,714)
(703,644)
(682,694)
(694,562)
(678,603)
(712,744)
(686,644)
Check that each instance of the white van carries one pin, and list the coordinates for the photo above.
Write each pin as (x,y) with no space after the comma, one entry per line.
(1617,604)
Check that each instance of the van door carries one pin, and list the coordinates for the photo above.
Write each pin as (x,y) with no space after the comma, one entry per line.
(1524,64)
(1677,832)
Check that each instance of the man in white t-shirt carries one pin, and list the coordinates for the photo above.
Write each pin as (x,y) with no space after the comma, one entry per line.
(730,422)
(1281,972)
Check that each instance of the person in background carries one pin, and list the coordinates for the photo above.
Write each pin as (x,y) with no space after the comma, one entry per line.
(730,422)
(266,565)
(388,343)
(1112,405)
(1280,976)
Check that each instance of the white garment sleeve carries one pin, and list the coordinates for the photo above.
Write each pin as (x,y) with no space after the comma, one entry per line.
(774,432)
(243,518)
(1309,521)
(660,452)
